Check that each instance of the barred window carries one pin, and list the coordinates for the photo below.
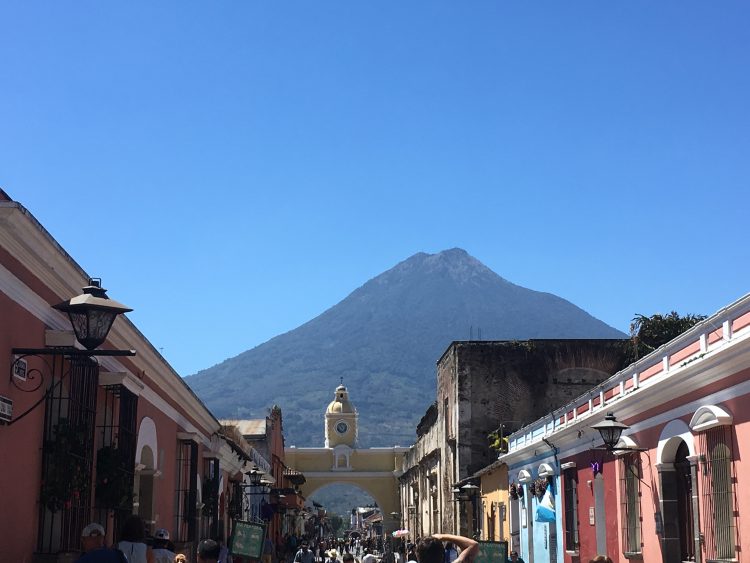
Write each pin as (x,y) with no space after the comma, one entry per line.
(570,482)
(186,494)
(630,501)
(718,492)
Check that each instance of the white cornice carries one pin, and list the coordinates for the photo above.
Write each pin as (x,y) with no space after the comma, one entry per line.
(126,379)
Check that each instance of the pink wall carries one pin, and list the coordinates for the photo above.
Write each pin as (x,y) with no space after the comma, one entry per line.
(21,442)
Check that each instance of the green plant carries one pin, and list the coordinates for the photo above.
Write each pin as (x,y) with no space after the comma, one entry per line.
(498,442)
(648,333)
(66,473)
(114,485)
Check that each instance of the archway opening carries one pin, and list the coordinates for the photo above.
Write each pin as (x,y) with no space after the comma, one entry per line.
(354,520)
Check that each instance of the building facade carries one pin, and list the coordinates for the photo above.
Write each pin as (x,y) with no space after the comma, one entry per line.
(483,387)
(671,489)
(92,437)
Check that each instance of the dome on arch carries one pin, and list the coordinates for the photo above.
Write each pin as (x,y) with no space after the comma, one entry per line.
(340,403)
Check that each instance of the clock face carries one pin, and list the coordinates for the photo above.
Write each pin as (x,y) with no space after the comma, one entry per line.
(342,427)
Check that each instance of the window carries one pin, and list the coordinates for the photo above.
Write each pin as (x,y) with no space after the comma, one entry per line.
(116,438)
(210,498)
(570,482)
(186,494)
(717,485)
(67,454)
(630,502)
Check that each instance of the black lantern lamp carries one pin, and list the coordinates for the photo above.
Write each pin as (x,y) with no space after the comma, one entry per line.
(255,476)
(610,430)
(469,488)
(92,314)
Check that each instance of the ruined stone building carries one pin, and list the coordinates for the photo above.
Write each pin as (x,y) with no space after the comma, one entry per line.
(482,385)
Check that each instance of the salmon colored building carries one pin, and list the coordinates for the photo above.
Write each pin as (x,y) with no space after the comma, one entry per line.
(673,487)
(94,436)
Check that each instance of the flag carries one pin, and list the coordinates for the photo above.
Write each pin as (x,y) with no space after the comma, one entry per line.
(545,510)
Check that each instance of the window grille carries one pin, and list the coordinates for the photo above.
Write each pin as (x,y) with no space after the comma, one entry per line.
(570,482)
(630,503)
(210,498)
(116,439)
(186,494)
(717,484)
(67,454)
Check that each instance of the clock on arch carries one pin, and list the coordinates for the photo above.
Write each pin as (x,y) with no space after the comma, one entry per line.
(342,427)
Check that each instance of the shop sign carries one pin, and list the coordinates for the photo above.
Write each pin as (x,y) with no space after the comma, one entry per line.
(6,409)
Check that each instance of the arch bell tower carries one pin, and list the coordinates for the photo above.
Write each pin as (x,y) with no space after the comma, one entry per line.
(341,460)
(341,421)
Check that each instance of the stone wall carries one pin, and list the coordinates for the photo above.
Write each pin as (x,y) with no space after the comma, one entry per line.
(483,384)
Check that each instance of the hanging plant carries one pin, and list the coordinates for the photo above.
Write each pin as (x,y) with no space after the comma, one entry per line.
(114,484)
(513,491)
(540,486)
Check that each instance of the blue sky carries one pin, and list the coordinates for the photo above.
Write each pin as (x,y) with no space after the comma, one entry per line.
(232,169)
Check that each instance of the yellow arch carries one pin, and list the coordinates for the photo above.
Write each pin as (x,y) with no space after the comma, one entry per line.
(374,470)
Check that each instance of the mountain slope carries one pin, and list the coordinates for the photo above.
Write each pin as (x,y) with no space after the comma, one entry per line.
(384,340)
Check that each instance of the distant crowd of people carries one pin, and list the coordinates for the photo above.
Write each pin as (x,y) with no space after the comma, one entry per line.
(133,547)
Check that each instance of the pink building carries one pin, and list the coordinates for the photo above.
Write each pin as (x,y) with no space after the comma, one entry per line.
(93,438)
(674,488)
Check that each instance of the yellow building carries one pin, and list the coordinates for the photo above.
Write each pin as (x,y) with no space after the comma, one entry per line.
(493,508)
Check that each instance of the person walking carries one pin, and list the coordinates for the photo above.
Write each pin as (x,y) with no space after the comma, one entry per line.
(208,551)
(163,548)
(515,558)
(304,555)
(94,550)
(132,542)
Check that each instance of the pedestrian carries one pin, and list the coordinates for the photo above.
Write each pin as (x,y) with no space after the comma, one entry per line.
(411,553)
(132,542)
(431,550)
(208,551)
(348,558)
(163,548)
(267,556)
(450,553)
(94,550)
(304,555)
(368,557)
(180,558)
(515,558)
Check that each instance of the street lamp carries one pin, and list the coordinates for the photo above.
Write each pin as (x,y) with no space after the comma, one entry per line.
(610,431)
(92,314)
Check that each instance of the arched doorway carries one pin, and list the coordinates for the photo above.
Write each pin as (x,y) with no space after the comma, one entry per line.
(684,493)
(678,477)
(146,471)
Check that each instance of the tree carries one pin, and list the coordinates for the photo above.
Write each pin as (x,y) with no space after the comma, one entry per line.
(337,523)
(648,333)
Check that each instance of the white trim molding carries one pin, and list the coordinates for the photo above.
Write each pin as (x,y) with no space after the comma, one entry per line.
(674,432)
(710,416)
(524,476)
(545,470)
